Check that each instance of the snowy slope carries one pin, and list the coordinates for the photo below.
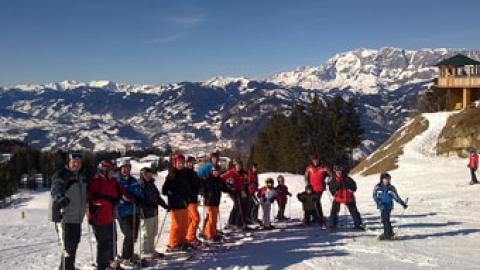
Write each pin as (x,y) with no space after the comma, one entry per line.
(440,230)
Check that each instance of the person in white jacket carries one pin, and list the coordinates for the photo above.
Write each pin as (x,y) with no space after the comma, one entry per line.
(267,196)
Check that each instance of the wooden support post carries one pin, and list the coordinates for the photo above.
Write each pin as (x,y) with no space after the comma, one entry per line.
(466,97)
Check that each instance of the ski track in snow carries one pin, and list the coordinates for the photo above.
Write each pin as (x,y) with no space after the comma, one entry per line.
(440,229)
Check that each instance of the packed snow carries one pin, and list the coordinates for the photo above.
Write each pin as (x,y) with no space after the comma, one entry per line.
(439,230)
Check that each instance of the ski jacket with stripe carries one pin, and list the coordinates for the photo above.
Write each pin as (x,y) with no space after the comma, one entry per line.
(316,175)
(384,195)
(73,186)
(212,188)
(194,183)
(473,162)
(151,200)
(177,189)
(343,188)
(103,196)
(267,195)
(282,193)
(133,187)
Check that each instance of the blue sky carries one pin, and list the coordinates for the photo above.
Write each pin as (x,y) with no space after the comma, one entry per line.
(155,41)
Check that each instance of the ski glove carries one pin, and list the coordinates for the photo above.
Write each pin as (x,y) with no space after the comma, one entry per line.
(62,201)
(404,205)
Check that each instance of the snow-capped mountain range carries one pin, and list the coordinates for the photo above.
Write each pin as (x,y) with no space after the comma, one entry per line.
(221,112)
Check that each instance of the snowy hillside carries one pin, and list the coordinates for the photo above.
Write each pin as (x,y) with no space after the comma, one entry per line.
(221,112)
(440,229)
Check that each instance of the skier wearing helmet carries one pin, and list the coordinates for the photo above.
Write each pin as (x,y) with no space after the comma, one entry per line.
(267,196)
(282,197)
(342,188)
(128,212)
(177,189)
(104,194)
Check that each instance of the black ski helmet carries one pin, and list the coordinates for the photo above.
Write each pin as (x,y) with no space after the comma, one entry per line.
(385,175)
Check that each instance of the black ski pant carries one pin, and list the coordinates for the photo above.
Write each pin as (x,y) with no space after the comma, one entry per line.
(310,216)
(474,176)
(129,226)
(238,214)
(281,211)
(70,236)
(352,208)
(106,244)
(318,205)
(252,213)
(387,225)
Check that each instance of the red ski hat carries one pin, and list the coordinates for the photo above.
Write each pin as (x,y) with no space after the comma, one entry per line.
(177,157)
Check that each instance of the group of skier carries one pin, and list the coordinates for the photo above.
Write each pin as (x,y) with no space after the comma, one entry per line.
(114,194)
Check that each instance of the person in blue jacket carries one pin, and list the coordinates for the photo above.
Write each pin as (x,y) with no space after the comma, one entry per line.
(128,211)
(384,194)
(205,171)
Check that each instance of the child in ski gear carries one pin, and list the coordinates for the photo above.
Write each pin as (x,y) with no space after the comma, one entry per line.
(237,178)
(206,170)
(149,213)
(267,196)
(193,215)
(315,175)
(211,189)
(309,199)
(253,204)
(473,165)
(128,212)
(282,193)
(384,194)
(104,193)
(342,188)
(68,205)
(176,187)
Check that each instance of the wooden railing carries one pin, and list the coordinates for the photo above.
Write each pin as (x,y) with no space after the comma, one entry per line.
(458,82)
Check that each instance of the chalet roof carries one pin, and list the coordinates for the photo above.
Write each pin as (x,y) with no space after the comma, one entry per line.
(458,60)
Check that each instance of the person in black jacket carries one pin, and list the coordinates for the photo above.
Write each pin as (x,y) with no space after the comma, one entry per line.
(149,212)
(211,190)
(193,215)
(309,201)
(176,187)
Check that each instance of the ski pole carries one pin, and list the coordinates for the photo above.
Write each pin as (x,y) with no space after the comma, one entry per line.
(161,228)
(400,222)
(89,235)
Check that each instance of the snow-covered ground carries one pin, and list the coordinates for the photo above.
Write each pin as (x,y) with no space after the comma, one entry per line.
(440,229)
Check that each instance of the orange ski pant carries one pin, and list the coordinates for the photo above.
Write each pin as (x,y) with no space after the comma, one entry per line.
(210,229)
(193,221)
(178,227)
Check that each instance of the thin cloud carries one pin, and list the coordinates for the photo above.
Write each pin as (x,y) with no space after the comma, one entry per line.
(188,20)
(165,39)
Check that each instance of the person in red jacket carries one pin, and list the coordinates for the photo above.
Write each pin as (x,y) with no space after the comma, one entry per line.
(253,205)
(282,193)
(473,165)
(237,178)
(342,188)
(104,193)
(315,175)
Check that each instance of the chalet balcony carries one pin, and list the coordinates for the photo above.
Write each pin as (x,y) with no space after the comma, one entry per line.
(458,82)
